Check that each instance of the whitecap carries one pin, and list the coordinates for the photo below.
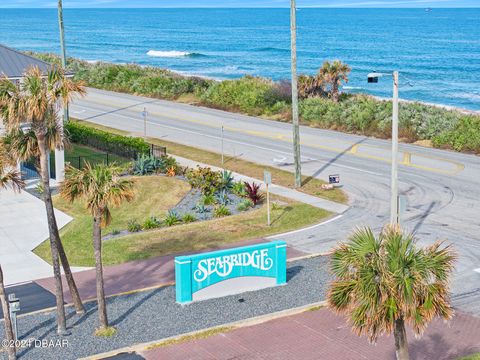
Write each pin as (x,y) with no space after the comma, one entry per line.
(168,54)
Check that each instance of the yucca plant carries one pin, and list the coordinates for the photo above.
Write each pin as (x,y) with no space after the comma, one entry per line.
(383,283)
(188,218)
(221,211)
(253,192)
(172,218)
(151,223)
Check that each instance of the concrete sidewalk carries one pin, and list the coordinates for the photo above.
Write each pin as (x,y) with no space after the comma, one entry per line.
(23,226)
(322,335)
(275,189)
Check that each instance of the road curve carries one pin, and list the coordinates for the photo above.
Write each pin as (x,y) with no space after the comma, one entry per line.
(441,187)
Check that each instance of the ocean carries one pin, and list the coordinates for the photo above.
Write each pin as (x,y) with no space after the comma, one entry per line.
(437,52)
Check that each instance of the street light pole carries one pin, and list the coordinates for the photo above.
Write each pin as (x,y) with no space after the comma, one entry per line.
(296,129)
(394,179)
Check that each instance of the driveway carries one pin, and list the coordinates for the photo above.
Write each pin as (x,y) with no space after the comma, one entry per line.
(23,226)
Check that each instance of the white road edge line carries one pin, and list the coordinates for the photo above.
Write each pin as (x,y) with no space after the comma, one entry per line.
(305,229)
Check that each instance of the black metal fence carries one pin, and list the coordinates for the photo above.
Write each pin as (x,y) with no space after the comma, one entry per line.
(158,151)
(80,161)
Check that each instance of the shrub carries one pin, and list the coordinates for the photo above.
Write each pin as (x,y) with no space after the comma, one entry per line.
(204,179)
(151,223)
(253,192)
(208,199)
(133,226)
(115,232)
(238,189)
(245,205)
(465,136)
(126,146)
(248,94)
(221,211)
(172,218)
(189,218)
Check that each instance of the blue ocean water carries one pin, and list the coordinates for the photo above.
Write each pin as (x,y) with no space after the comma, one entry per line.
(437,52)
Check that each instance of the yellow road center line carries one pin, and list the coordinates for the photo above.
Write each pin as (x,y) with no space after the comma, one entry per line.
(353,148)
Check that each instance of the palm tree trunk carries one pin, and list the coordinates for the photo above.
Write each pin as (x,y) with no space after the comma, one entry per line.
(77,301)
(401,345)
(335,95)
(53,230)
(8,322)
(97,246)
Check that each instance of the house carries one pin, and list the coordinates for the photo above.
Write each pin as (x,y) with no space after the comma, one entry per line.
(13,64)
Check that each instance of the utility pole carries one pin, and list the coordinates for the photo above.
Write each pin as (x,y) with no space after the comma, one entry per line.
(394,179)
(296,129)
(59,151)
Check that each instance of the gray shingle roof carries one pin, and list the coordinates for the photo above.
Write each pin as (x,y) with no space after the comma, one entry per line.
(13,63)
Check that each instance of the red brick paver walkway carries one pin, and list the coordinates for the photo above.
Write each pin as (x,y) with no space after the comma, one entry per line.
(135,275)
(322,335)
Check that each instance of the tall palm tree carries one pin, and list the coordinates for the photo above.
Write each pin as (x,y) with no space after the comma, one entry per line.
(34,103)
(24,146)
(9,177)
(334,74)
(385,282)
(101,187)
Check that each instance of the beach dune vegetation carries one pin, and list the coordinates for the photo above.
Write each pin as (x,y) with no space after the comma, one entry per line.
(322,104)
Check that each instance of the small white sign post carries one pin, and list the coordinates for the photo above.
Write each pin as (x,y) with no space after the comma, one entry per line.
(144,114)
(267,179)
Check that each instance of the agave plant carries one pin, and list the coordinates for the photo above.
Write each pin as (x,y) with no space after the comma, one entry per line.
(202,210)
(146,164)
(226,181)
(222,198)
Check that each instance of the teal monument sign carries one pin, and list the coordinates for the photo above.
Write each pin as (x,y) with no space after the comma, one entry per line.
(231,271)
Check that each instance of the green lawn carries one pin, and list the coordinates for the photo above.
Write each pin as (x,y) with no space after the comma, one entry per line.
(89,154)
(310,185)
(155,195)
(471,357)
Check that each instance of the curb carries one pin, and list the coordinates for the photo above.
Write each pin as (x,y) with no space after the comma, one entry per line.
(232,325)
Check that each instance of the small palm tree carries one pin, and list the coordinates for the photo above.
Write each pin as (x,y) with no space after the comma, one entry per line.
(334,74)
(386,281)
(101,187)
(34,104)
(9,177)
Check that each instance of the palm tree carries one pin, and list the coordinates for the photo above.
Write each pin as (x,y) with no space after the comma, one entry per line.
(386,281)
(34,104)
(8,177)
(334,74)
(101,187)
(24,146)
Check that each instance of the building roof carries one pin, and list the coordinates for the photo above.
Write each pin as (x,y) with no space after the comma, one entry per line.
(13,64)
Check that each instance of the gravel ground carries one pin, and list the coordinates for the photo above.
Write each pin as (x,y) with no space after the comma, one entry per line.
(153,315)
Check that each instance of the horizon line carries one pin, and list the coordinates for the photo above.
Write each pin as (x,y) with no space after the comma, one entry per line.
(240,7)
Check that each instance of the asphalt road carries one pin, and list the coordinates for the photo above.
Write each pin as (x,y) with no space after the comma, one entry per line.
(441,187)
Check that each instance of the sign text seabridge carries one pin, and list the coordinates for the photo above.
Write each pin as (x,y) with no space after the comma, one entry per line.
(223,265)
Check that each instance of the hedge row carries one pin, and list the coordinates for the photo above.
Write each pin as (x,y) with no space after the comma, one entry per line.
(125,146)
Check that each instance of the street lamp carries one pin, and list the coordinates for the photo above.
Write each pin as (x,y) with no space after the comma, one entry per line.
(373,78)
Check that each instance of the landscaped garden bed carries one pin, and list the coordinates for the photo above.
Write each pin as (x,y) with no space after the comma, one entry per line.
(213,194)
(174,189)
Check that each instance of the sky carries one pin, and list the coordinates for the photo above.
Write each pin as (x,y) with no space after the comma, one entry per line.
(238,3)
